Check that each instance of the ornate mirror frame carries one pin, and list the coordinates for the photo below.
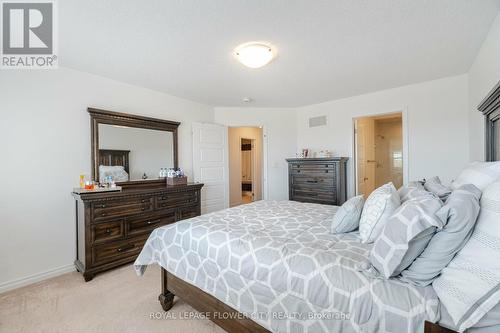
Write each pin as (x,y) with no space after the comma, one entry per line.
(98,116)
(490,107)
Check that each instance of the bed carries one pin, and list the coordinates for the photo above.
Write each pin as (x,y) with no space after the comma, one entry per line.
(274,266)
(276,263)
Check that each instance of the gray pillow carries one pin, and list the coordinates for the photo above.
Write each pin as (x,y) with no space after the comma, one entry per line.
(406,235)
(347,217)
(459,214)
(434,185)
(469,286)
(410,190)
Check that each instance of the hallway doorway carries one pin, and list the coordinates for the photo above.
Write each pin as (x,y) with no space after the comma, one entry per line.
(378,152)
(245,165)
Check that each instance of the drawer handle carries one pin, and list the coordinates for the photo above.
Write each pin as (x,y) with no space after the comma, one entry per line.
(312,181)
(108,231)
(103,206)
(126,248)
(164,198)
(326,171)
(103,214)
(143,200)
(143,208)
(298,171)
(154,222)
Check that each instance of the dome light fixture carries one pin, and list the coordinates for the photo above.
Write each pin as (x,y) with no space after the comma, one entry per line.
(255,54)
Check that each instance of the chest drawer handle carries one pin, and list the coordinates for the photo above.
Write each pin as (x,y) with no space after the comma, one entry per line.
(326,171)
(298,171)
(163,198)
(154,222)
(143,208)
(129,247)
(312,181)
(108,231)
(103,206)
(143,200)
(103,214)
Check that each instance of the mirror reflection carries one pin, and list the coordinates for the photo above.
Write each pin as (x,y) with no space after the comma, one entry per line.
(130,153)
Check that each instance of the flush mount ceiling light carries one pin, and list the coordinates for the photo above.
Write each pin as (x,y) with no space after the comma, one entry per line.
(255,54)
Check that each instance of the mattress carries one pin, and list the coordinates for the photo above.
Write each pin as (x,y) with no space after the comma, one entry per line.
(277,263)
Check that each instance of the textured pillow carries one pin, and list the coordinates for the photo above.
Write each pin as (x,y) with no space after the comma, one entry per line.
(459,215)
(379,206)
(406,235)
(434,185)
(480,174)
(409,191)
(347,217)
(470,285)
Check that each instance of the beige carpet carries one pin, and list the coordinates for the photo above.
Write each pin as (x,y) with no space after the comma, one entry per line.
(116,301)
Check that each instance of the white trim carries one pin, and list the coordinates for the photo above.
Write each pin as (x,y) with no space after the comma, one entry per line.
(406,145)
(24,281)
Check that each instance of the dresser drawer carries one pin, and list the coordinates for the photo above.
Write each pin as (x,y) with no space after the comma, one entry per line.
(107,231)
(173,200)
(117,208)
(187,212)
(314,194)
(318,180)
(117,250)
(145,224)
(316,170)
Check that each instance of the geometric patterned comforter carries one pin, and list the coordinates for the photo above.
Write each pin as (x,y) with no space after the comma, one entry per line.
(276,262)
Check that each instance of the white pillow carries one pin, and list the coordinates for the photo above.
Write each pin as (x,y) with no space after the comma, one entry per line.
(480,174)
(469,286)
(379,206)
(347,217)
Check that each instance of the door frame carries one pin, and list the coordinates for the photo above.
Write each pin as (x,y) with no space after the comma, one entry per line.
(264,183)
(405,137)
(253,167)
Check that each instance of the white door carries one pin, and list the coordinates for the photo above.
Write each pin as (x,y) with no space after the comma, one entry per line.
(210,165)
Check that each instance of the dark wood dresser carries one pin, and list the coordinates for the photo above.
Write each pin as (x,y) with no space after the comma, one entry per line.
(112,227)
(318,180)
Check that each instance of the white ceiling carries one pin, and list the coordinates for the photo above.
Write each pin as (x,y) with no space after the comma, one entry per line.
(327,49)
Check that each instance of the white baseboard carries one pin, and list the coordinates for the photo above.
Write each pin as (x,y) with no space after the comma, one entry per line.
(24,281)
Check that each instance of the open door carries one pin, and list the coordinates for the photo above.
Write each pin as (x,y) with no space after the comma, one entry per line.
(365,156)
(210,165)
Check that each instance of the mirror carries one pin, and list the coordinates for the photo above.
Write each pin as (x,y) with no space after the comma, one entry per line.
(142,152)
(128,148)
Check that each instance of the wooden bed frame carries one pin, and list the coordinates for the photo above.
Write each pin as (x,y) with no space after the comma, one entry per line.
(215,309)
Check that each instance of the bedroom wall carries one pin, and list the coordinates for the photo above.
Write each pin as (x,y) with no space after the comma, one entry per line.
(45,135)
(280,141)
(483,75)
(436,116)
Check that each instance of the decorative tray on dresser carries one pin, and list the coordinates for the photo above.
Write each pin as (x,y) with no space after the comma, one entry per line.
(112,227)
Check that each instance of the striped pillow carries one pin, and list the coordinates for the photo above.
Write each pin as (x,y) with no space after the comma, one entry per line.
(469,286)
(480,174)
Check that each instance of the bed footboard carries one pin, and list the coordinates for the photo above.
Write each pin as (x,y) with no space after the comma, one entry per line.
(218,312)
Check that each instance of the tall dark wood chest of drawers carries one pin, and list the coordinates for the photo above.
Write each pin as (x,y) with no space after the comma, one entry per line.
(318,180)
(112,227)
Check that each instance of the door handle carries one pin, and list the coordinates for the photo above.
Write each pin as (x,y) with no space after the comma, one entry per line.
(371,161)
